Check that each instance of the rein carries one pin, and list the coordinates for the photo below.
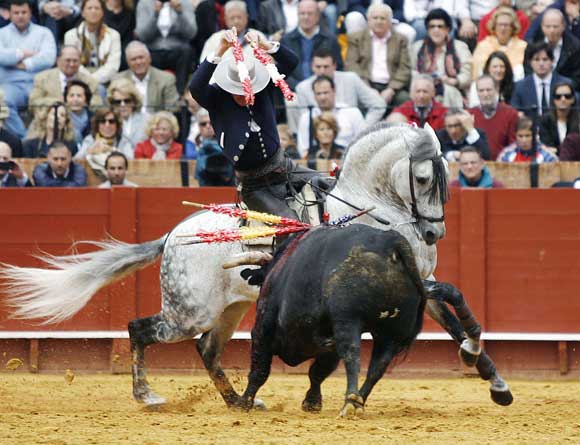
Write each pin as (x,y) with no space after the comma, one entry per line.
(360,209)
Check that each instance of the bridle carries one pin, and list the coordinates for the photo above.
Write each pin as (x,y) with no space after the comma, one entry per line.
(414,209)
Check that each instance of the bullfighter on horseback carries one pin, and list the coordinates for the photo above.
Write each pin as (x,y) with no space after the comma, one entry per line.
(247,132)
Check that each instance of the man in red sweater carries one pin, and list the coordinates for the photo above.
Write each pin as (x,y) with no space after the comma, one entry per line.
(497,119)
(422,108)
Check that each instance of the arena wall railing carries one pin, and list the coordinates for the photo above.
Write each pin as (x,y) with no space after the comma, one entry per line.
(513,253)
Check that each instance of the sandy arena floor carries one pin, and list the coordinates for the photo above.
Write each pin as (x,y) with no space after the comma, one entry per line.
(99,409)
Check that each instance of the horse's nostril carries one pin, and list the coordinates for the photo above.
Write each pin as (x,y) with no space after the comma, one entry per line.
(430,238)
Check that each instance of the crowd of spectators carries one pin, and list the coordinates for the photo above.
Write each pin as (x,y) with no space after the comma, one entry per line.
(106,81)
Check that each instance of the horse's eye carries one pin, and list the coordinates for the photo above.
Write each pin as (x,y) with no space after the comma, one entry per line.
(422,180)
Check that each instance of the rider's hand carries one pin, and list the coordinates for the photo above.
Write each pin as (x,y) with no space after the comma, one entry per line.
(227,41)
(254,38)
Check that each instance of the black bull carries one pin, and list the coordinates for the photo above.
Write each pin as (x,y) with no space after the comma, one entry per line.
(321,293)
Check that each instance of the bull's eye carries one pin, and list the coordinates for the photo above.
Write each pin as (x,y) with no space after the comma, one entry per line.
(422,180)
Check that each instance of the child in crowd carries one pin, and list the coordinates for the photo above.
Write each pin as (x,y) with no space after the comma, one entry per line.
(526,146)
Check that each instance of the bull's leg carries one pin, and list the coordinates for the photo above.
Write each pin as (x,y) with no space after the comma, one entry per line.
(142,333)
(469,344)
(321,368)
(499,389)
(263,336)
(211,346)
(382,355)
(347,337)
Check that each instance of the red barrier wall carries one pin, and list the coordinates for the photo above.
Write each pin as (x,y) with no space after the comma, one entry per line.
(513,253)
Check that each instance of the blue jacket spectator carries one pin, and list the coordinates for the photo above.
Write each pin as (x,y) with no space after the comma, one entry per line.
(59,170)
(25,49)
(306,38)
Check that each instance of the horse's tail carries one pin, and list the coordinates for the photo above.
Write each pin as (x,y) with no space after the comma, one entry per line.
(59,292)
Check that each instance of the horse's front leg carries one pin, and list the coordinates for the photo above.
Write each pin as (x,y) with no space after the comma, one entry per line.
(469,346)
(470,329)
(211,346)
(347,335)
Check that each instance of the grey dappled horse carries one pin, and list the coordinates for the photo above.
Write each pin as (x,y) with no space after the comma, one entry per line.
(397,169)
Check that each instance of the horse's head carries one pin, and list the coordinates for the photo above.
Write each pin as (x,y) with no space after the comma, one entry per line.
(403,165)
(420,180)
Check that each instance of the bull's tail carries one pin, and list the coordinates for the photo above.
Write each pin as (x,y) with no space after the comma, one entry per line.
(60,291)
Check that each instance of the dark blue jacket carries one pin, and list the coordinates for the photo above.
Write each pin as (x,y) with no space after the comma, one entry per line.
(535,28)
(292,41)
(524,97)
(231,122)
(43,177)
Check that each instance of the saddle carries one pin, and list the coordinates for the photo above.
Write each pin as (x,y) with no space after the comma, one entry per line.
(309,203)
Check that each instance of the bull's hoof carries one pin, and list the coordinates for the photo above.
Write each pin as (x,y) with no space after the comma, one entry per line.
(243,405)
(503,398)
(353,407)
(310,406)
(469,352)
(312,402)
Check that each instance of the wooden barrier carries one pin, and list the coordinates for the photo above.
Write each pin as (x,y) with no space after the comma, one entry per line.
(149,173)
(513,253)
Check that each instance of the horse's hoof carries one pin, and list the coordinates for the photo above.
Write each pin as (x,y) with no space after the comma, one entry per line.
(153,400)
(469,352)
(149,398)
(259,405)
(503,398)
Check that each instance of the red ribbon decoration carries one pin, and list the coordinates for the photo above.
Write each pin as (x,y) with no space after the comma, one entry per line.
(246,83)
(265,59)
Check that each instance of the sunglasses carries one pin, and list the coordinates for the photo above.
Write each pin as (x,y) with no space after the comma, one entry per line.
(108,121)
(203,124)
(121,101)
(563,96)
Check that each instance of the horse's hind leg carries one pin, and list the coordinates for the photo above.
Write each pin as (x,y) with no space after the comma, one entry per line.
(211,346)
(321,368)
(381,356)
(142,333)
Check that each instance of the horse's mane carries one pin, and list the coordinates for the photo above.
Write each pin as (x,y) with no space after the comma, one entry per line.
(421,145)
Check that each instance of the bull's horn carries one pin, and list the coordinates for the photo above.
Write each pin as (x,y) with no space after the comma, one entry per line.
(247,259)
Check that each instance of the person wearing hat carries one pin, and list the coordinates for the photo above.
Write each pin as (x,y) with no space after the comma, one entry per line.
(10,138)
(447,59)
(247,133)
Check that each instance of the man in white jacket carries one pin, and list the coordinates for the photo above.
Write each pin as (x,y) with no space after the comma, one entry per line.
(351,91)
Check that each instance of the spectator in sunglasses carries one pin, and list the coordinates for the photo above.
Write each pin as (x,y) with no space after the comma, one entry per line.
(106,136)
(124,98)
(562,119)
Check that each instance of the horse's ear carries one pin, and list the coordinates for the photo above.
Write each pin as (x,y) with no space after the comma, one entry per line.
(434,137)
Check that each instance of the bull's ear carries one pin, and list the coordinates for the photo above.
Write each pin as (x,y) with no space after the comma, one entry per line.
(434,137)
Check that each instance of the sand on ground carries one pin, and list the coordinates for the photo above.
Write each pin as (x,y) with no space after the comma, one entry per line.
(99,409)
